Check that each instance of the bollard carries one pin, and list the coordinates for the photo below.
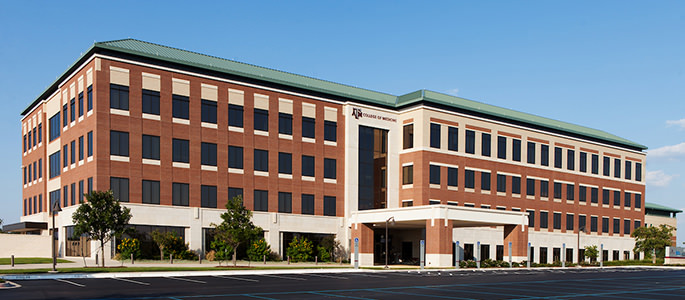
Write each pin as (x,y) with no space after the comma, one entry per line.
(96,259)
(478,255)
(264,259)
(316,260)
(288,259)
(199,258)
(12,260)
(131,258)
(171,259)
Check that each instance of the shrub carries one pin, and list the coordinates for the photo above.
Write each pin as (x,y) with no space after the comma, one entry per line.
(210,256)
(300,249)
(323,254)
(222,251)
(258,249)
(128,247)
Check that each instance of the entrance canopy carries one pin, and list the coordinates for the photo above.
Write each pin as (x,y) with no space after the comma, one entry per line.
(25,227)
(416,216)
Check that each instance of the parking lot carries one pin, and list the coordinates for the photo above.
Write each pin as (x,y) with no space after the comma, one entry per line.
(608,283)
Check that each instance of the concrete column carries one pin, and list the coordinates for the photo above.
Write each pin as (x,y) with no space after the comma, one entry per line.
(438,243)
(365,234)
(518,236)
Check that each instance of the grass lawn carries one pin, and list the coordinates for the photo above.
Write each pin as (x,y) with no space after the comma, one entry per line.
(30,260)
(150,269)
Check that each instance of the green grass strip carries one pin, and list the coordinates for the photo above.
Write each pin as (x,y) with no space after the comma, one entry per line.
(30,260)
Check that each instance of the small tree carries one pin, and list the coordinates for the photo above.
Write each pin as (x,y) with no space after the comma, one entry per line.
(163,240)
(648,239)
(591,252)
(102,218)
(237,227)
(300,249)
(0,225)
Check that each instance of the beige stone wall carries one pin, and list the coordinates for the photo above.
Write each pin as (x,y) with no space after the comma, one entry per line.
(23,245)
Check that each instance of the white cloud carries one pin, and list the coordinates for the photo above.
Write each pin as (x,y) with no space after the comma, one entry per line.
(453,92)
(667,151)
(680,123)
(659,178)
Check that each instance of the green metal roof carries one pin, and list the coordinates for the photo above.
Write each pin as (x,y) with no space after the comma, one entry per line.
(654,206)
(216,64)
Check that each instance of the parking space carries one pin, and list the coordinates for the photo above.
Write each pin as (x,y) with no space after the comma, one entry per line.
(450,284)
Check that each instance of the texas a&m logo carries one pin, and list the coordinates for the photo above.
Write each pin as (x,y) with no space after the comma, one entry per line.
(357,113)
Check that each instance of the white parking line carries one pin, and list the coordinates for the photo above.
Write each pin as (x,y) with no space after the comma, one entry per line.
(368,275)
(185,279)
(282,277)
(326,276)
(236,278)
(131,281)
(69,282)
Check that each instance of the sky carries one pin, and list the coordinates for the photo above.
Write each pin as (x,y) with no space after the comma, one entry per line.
(616,66)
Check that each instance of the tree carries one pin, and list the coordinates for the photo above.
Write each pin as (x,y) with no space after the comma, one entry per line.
(648,239)
(101,217)
(164,240)
(591,252)
(237,227)
(0,225)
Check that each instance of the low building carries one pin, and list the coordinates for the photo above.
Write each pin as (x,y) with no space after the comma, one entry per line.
(656,215)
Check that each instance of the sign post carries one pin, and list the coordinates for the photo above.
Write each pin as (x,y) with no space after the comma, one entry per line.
(54,209)
(422,257)
(563,255)
(356,253)
(457,255)
(528,256)
(510,265)
(478,255)
(601,255)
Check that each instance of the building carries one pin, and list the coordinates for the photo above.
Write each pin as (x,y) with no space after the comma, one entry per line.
(175,133)
(656,215)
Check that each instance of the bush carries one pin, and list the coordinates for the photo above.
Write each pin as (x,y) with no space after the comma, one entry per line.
(222,251)
(258,249)
(179,249)
(300,249)
(210,256)
(323,254)
(128,247)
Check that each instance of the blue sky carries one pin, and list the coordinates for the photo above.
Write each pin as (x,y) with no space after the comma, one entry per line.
(612,65)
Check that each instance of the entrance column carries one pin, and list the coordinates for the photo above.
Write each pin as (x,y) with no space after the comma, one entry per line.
(518,236)
(439,243)
(365,234)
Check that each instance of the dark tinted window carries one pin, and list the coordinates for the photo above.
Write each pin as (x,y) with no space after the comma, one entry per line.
(180,107)
(544,219)
(501,147)
(151,147)
(606,166)
(570,159)
(208,196)
(285,163)
(544,188)
(118,143)
(485,144)
(235,157)
(516,185)
(530,187)
(329,168)
(261,200)
(285,202)
(557,190)
(150,192)
(209,111)
(629,170)
(180,151)
(485,181)
(307,165)
(119,187)
(235,115)
(434,174)
(595,164)
(180,194)
(208,154)
(453,140)
(408,136)
(408,175)
(516,145)
(531,153)
(501,183)
(330,131)
(307,204)
(544,155)
(469,179)
(329,207)
(583,162)
(285,123)
(118,96)
(261,160)
(308,127)
(557,157)
(435,135)
(570,191)
(150,102)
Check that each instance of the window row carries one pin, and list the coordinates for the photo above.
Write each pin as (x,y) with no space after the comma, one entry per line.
(69,195)
(608,225)
(69,112)
(33,205)
(33,171)
(69,156)
(33,137)
(516,145)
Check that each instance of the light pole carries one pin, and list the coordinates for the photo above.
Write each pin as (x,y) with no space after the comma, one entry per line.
(391,219)
(581,228)
(54,209)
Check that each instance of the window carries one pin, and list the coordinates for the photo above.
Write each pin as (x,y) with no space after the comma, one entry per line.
(261,119)
(501,183)
(330,131)
(530,187)
(40,133)
(617,198)
(81,191)
(151,192)
(594,195)
(470,141)
(235,115)
(90,97)
(626,226)
(408,175)
(329,206)
(569,222)
(150,102)
(72,107)
(80,104)
(544,188)
(557,157)
(329,168)
(435,135)
(485,144)
(593,224)
(556,220)
(407,136)
(629,170)
(638,200)
(307,165)
(65,156)
(570,191)
(516,185)
(531,218)
(235,157)
(208,110)
(119,187)
(180,151)
(469,179)
(118,143)
(452,176)
(605,225)
(605,196)
(627,199)
(453,140)
(544,155)
(309,127)
(638,224)
(531,152)
(80,148)
(65,120)
(582,223)
(150,147)
(118,96)
(261,200)
(570,159)
(180,194)
(35,136)
(285,123)
(24,143)
(55,130)
(501,147)
(595,164)
(90,143)
(40,168)
(583,162)
(180,106)
(434,174)
(73,152)
(285,202)
(544,219)
(582,193)
(307,204)
(235,192)
(638,166)
(617,168)
(208,154)
(607,162)
(557,190)
(261,160)
(285,163)
(27,139)
(516,147)
(485,181)
(208,197)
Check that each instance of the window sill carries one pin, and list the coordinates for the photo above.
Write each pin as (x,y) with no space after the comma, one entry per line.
(308,178)
(308,140)
(81,162)
(516,195)
(114,111)
(180,165)
(485,192)
(80,118)
(261,173)
(180,121)
(261,132)
(407,186)
(452,188)
(329,180)
(285,136)
(530,197)
(434,186)
(208,168)
(209,125)
(235,171)
(329,143)
(89,159)
(501,194)
(236,129)
(285,176)
(147,161)
(119,158)
(89,113)
(151,117)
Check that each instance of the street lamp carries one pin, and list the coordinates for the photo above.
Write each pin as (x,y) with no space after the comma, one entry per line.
(581,228)
(389,220)
(54,209)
